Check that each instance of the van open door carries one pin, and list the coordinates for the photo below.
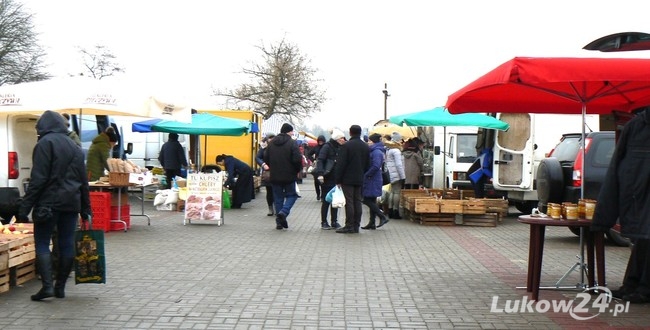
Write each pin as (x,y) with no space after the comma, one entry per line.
(513,153)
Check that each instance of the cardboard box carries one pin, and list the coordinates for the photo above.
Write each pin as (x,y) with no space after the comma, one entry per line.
(142,179)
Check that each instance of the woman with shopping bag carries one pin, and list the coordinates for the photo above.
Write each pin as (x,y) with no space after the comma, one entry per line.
(58,194)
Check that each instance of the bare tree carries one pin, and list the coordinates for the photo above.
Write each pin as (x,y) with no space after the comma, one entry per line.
(283,84)
(99,62)
(21,58)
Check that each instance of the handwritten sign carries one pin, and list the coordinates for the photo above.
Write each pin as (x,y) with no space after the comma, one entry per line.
(204,196)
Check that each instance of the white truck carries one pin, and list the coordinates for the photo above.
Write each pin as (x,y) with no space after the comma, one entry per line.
(518,151)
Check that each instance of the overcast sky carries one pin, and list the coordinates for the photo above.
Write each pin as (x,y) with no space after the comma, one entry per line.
(424,50)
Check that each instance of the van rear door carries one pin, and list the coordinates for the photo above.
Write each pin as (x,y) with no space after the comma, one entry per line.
(513,153)
(21,139)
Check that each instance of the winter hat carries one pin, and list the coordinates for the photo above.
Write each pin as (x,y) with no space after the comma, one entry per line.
(337,134)
(321,138)
(286,128)
(268,137)
(375,138)
(396,137)
(110,131)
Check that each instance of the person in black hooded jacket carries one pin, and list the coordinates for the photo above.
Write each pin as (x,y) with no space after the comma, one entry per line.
(284,160)
(58,193)
(625,195)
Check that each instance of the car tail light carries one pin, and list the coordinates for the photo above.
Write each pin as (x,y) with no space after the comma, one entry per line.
(14,168)
(577,165)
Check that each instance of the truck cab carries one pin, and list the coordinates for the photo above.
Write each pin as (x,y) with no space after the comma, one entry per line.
(458,157)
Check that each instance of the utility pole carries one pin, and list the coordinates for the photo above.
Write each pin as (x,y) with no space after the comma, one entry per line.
(385,91)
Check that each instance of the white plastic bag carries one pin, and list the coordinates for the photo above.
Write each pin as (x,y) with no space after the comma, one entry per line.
(161,197)
(338,199)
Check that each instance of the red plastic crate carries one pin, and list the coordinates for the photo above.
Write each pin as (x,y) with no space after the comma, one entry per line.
(100,204)
(125,216)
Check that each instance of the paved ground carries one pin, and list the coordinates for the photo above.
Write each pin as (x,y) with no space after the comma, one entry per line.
(248,275)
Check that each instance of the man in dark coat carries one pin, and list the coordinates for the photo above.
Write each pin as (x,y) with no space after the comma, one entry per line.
(324,174)
(351,165)
(625,195)
(284,160)
(58,192)
(172,158)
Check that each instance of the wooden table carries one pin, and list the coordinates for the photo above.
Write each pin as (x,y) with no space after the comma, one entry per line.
(538,225)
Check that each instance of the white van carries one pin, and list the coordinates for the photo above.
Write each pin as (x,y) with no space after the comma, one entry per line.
(18,132)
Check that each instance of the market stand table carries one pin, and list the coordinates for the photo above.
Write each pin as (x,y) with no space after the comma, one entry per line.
(538,225)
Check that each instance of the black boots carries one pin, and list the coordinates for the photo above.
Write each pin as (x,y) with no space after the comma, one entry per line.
(44,265)
(370,225)
(65,267)
(383,221)
(271,212)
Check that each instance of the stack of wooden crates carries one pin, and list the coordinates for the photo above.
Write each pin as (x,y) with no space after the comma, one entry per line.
(450,207)
(17,258)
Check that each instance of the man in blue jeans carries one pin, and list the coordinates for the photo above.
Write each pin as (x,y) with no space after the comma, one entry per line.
(284,160)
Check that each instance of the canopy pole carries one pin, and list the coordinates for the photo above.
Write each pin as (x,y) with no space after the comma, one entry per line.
(205,149)
(444,157)
(582,194)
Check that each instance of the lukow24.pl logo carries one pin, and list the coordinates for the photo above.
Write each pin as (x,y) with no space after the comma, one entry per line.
(581,308)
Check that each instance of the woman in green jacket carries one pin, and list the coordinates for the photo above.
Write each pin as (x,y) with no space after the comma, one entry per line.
(99,152)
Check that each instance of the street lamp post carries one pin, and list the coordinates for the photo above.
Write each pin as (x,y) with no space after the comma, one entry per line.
(385,91)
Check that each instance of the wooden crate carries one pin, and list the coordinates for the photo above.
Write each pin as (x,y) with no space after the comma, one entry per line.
(4,280)
(426,205)
(410,201)
(21,249)
(451,194)
(451,206)
(4,255)
(496,205)
(481,220)
(23,273)
(437,219)
(405,194)
(474,206)
(467,194)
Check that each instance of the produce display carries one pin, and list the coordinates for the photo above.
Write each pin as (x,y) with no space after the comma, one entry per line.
(124,166)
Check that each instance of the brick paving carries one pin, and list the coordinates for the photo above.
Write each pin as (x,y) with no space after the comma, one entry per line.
(248,275)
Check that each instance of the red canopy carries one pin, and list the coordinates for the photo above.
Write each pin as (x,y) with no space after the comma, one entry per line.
(558,85)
